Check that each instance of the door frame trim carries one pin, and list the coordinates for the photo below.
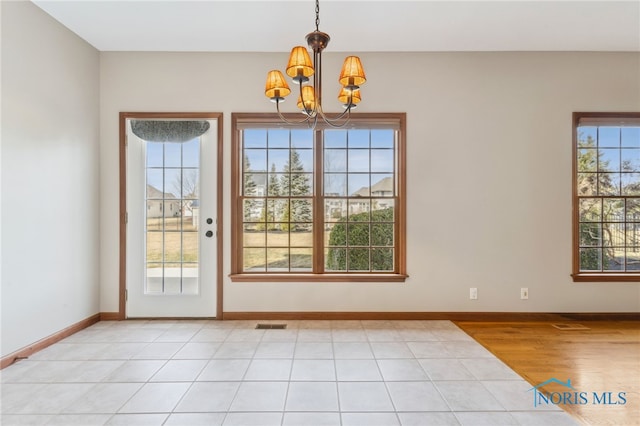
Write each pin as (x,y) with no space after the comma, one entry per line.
(122,302)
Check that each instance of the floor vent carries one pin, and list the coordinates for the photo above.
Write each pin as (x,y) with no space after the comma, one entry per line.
(271,326)
(570,327)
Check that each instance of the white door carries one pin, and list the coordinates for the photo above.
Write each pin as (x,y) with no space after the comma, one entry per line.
(171,224)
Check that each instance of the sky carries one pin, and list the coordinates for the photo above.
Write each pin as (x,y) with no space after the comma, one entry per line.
(172,156)
(353,158)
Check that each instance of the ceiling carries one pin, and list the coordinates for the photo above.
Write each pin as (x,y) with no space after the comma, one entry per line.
(354,25)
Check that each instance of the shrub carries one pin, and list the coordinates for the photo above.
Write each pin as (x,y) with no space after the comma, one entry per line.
(351,241)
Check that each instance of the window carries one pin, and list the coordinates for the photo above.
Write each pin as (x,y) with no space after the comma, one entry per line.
(606,201)
(325,204)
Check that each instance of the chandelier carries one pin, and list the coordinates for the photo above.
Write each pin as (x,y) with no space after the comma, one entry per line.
(300,69)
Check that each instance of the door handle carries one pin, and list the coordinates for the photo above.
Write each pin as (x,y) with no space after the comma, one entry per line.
(209,234)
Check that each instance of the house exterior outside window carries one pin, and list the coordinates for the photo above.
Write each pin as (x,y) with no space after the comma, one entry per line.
(319,204)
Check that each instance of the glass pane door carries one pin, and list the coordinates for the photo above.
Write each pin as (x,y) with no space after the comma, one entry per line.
(172,214)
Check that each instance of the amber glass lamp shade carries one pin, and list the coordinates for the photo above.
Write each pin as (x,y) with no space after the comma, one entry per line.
(344,95)
(300,67)
(352,74)
(276,88)
(309,103)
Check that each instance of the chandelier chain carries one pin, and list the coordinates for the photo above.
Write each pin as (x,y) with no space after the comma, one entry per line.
(317,15)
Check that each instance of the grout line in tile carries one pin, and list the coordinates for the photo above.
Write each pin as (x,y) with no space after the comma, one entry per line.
(241,326)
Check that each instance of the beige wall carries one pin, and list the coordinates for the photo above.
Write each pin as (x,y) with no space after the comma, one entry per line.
(50,180)
(489,170)
(489,193)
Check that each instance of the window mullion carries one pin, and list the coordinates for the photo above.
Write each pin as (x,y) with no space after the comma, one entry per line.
(318,203)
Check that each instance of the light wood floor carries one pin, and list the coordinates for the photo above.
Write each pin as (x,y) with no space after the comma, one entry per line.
(604,358)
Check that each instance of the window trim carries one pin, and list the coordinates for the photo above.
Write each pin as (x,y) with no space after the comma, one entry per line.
(595,119)
(245,120)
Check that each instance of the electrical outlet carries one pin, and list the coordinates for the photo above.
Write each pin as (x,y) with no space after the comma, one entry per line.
(524,293)
(473,293)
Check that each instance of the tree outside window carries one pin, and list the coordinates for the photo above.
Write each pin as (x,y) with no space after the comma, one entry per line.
(323,204)
(606,196)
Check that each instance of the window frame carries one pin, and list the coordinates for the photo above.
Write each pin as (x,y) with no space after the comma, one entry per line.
(241,121)
(595,119)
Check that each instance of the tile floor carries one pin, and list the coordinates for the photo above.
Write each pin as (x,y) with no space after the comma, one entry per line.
(228,373)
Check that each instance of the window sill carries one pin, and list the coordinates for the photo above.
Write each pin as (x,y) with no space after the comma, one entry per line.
(370,278)
(608,277)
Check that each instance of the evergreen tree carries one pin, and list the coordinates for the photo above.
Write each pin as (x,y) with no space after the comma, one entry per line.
(249,188)
(249,184)
(295,183)
(270,209)
(274,185)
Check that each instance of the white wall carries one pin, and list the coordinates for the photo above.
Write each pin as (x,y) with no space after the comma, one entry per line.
(489,170)
(50,179)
